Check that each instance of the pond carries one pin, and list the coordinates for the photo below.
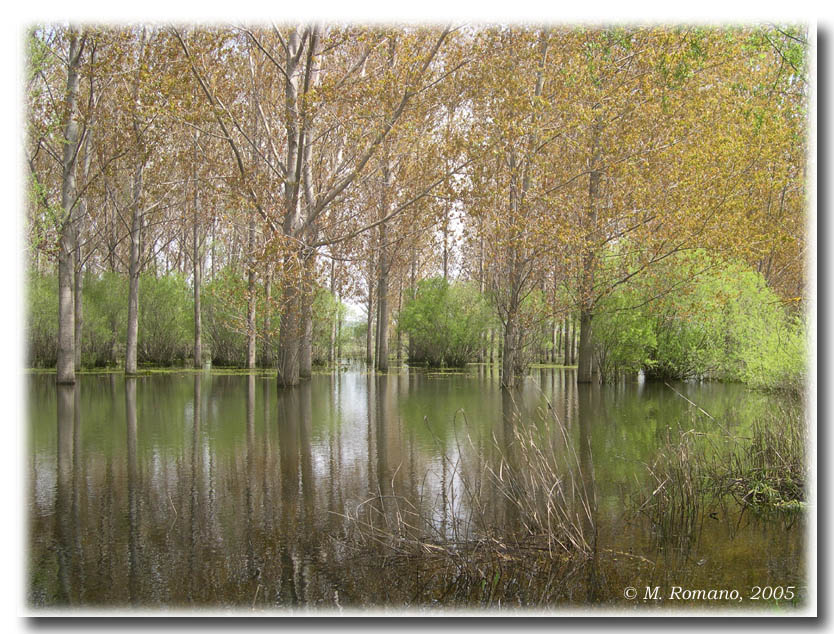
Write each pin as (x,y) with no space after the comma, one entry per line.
(412,490)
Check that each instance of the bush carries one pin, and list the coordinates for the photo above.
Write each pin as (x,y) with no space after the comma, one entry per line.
(696,317)
(166,319)
(445,322)
(224,318)
(41,320)
(326,311)
(105,318)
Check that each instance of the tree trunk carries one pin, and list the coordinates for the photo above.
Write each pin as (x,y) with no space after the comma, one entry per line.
(66,311)
(510,362)
(331,351)
(133,284)
(382,318)
(369,340)
(289,336)
(399,330)
(306,353)
(413,295)
(267,351)
(135,228)
(79,302)
(251,326)
(586,347)
(197,263)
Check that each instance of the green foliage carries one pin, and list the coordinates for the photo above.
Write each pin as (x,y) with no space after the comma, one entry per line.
(105,318)
(700,317)
(326,311)
(623,337)
(42,320)
(224,318)
(166,319)
(445,322)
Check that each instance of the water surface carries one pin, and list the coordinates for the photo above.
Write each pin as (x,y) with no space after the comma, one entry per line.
(222,490)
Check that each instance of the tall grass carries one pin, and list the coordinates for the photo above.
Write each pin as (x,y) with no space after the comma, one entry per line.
(762,469)
(520,530)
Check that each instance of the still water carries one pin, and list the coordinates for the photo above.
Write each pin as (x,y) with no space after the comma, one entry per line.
(187,490)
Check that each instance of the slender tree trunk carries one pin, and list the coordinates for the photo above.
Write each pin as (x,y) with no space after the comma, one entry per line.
(251,326)
(197,262)
(306,358)
(79,304)
(411,350)
(369,340)
(382,318)
(66,248)
(133,282)
(267,337)
(399,330)
(331,351)
(135,227)
(491,346)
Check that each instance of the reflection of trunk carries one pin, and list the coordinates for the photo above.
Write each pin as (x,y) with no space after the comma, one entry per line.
(383,471)
(193,559)
(63,493)
(305,426)
(78,550)
(585,418)
(133,537)
(250,474)
(509,450)
(288,454)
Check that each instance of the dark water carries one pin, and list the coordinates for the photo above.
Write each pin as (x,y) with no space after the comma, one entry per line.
(220,490)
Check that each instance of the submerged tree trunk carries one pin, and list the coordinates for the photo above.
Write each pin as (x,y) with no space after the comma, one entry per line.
(369,340)
(382,318)
(584,371)
(289,336)
(66,248)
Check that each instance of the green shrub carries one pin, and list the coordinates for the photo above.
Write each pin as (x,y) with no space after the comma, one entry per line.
(166,319)
(41,320)
(105,318)
(224,318)
(445,322)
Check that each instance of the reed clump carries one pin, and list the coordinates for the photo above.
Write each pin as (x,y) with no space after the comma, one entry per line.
(518,531)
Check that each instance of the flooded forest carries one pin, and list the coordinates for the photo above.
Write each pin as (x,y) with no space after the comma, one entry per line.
(341,318)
